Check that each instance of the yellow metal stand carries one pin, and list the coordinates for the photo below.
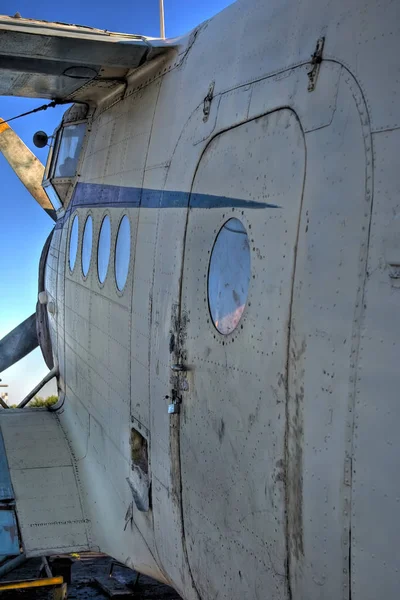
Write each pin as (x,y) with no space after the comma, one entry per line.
(59,592)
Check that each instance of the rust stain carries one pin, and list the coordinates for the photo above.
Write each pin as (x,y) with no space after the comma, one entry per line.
(294,450)
(280,471)
(178,331)
(282,380)
(254,417)
(174,452)
(295,480)
(221,431)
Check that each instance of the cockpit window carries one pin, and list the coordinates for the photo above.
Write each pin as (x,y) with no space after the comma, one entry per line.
(52,196)
(70,146)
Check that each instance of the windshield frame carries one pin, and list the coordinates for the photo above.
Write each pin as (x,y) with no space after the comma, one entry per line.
(49,177)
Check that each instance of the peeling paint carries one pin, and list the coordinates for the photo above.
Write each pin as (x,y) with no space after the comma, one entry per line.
(12,530)
(295,481)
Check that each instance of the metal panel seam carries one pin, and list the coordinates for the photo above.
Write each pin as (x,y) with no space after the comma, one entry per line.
(359,313)
(78,484)
(287,411)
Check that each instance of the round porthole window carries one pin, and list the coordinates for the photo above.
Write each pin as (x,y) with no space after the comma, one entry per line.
(73,242)
(104,248)
(87,245)
(122,253)
(229,276)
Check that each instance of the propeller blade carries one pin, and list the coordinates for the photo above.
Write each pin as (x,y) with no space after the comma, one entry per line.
(18,343)
(26,166)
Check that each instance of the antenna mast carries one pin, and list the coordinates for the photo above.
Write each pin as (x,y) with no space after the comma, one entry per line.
(162,20)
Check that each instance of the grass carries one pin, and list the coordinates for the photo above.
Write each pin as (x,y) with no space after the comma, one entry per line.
(39,402)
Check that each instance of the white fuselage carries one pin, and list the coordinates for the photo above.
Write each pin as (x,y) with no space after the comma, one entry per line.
(278,478)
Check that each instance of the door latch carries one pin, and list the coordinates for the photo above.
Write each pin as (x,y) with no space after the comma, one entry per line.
(174,407)
(178,368)
(207,101)
(316,60)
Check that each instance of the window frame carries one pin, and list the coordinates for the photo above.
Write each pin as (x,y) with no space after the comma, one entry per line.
(120,292)
(110,254)
(89,215)
(75,217)
(52,158)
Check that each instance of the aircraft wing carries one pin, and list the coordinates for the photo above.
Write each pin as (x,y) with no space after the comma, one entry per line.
(59,61)
(41,506)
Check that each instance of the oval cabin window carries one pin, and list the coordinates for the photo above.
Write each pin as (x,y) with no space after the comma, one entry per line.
(104,248)
(87,245)
(122,253)
(229,276)
(73,242)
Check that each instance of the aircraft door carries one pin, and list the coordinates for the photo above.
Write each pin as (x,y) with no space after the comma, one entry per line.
(236,299)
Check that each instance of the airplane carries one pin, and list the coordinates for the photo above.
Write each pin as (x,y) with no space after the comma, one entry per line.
(218,301)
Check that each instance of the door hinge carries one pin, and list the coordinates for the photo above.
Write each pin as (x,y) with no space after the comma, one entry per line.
(316,60)
(207,101)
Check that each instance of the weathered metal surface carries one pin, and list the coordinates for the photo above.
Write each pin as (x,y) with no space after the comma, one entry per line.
(54,60)
(25,165)
(18,343)
(324,327)
(106,339)
(42,321)
(235,406)
(375,529)
(139,483)
(6,490)
(44,479)
(9,539)
(53,275)
(294,510)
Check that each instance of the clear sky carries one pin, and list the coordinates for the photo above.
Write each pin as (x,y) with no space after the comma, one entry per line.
(24,226)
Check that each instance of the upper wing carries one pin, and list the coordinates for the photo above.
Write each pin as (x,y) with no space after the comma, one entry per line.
(58,61)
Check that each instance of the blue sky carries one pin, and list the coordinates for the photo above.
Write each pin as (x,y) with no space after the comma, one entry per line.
(23,225)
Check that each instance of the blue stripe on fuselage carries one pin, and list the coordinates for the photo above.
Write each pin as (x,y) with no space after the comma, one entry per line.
(97,195)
